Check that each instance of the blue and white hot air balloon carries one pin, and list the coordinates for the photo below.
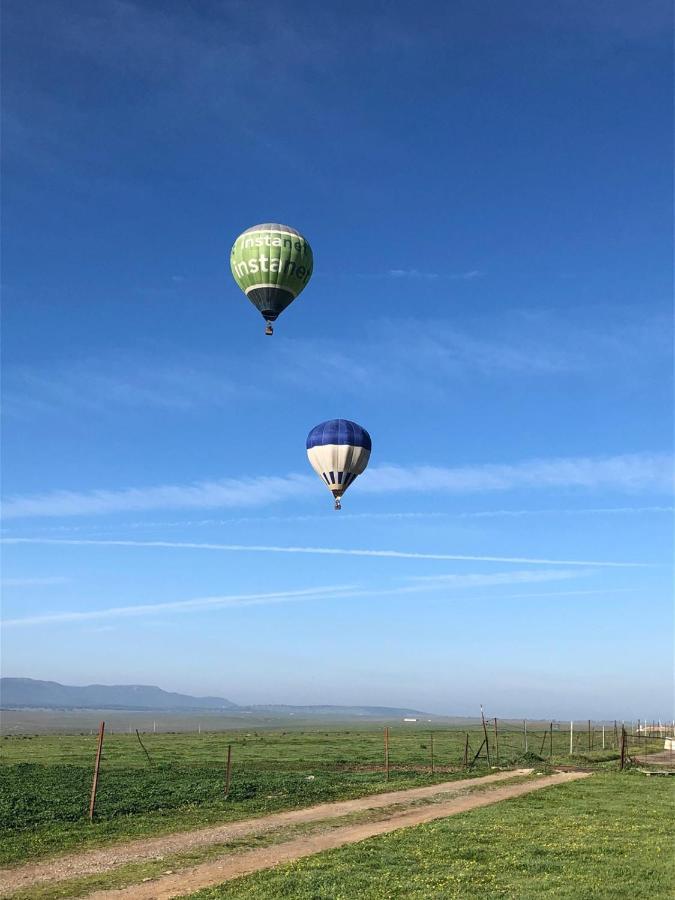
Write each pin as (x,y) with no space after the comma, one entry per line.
(338,451)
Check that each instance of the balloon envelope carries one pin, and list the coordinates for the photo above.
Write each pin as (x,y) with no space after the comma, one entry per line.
(272,264)
(338,451)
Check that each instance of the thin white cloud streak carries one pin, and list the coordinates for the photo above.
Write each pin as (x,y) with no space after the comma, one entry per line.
(346,516)
(198,603)
(33,581)
(339,592)
(627,473)
(496,578)
(228,493)
(319,551)
(411,273)
(592,511)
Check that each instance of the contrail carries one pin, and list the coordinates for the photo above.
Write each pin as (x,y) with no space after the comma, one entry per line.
(197,603)
(321,551)
(339,592)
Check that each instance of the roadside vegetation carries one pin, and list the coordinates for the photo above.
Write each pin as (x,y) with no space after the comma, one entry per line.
(609,836)
(180,783)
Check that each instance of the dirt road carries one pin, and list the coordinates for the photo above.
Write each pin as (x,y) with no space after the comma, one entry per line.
(109,858)
(91,862)
(234,866)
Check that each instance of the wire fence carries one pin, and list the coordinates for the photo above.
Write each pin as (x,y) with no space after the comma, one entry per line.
(126,773)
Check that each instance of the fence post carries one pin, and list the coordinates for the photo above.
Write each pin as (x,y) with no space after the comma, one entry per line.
(487,743)
(386,750)
(143,746)
(478,753)
(228,773)
(97,766)
(623,747)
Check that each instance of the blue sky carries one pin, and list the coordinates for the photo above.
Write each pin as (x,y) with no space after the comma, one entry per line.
(487,193)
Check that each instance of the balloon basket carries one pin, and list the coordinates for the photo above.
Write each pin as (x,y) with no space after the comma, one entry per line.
(268,329)
(338,505)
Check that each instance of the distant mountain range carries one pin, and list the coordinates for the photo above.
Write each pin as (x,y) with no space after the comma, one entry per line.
(29,693)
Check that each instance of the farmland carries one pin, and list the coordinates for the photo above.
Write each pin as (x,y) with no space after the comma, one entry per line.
(180,784)
(609,836)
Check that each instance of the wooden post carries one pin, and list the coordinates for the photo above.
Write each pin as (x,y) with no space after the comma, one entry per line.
(386,751)
(623,747)
(496,742)
(143,746)
(543,742)
(487,743)
(97,766)
(228,772)
(466,751)
(483,744)
(431,735)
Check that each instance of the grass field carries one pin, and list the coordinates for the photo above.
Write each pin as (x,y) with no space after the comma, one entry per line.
(45,780)
(609,836)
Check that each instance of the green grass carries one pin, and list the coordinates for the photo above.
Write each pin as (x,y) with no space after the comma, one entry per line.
(608,836)
(136,872)
(45,780)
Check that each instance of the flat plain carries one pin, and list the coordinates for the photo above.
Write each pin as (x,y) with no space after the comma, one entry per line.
(607,836)
(164,783)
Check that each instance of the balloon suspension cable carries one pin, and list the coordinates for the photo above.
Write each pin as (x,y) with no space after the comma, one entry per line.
(269,329)
(338,505)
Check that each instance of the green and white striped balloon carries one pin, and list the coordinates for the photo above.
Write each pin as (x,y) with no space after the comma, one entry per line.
(272,264)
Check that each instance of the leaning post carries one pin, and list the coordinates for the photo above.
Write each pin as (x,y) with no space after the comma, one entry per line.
(97,766)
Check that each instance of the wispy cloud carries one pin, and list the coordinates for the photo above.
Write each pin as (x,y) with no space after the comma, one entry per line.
(423,275)
(198,603)
(318,551)
(228,493)
(470,275)
(96,386)
(572,511)
(332,592)
(348,516)
(429,363)
(411,273)
(628,472)
(644,472)
(526,576)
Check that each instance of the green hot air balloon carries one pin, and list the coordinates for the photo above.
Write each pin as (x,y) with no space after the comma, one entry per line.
(271,263)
